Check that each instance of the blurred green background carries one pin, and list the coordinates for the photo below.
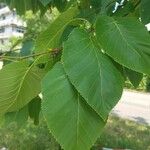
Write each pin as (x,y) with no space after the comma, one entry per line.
(118,133)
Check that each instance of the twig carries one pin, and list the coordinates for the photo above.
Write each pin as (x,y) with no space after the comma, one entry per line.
(53,51)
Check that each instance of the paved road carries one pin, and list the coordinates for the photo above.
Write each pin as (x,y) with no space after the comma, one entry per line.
(134,106)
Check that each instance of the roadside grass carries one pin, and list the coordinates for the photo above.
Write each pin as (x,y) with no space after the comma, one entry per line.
(124,134)
(118,133)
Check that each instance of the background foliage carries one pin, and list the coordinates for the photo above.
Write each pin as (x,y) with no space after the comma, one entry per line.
(118,133)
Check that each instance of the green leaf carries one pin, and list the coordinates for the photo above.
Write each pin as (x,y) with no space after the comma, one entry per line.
(20,117)
(96,4)
(45,2)
(126,9)
(23,5)
(20,83)
(92,73)
(145,11)
(134,77)
(70,3)
(27,48)
(34,108)
(60,4)
(70,119)
(126,40)
(106,5)
(50,38)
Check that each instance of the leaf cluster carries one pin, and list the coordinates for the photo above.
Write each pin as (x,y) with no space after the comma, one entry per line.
(78,64)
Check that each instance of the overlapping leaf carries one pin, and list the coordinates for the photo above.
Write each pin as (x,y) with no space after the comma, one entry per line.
(45,2)
(34,108)
(145,11)
(23,5)
(70,119)
(126,40)
(51,37)
(20,83)
(27,48)
(60,4)
(105,6)
(92,73)
(134,77)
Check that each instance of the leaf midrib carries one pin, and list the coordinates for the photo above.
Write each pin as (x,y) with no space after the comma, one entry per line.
(124,39)
(20,87)
(100,74)
(22,82)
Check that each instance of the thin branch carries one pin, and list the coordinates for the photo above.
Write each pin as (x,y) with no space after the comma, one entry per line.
(53,51)
(7,59)
(6,52)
